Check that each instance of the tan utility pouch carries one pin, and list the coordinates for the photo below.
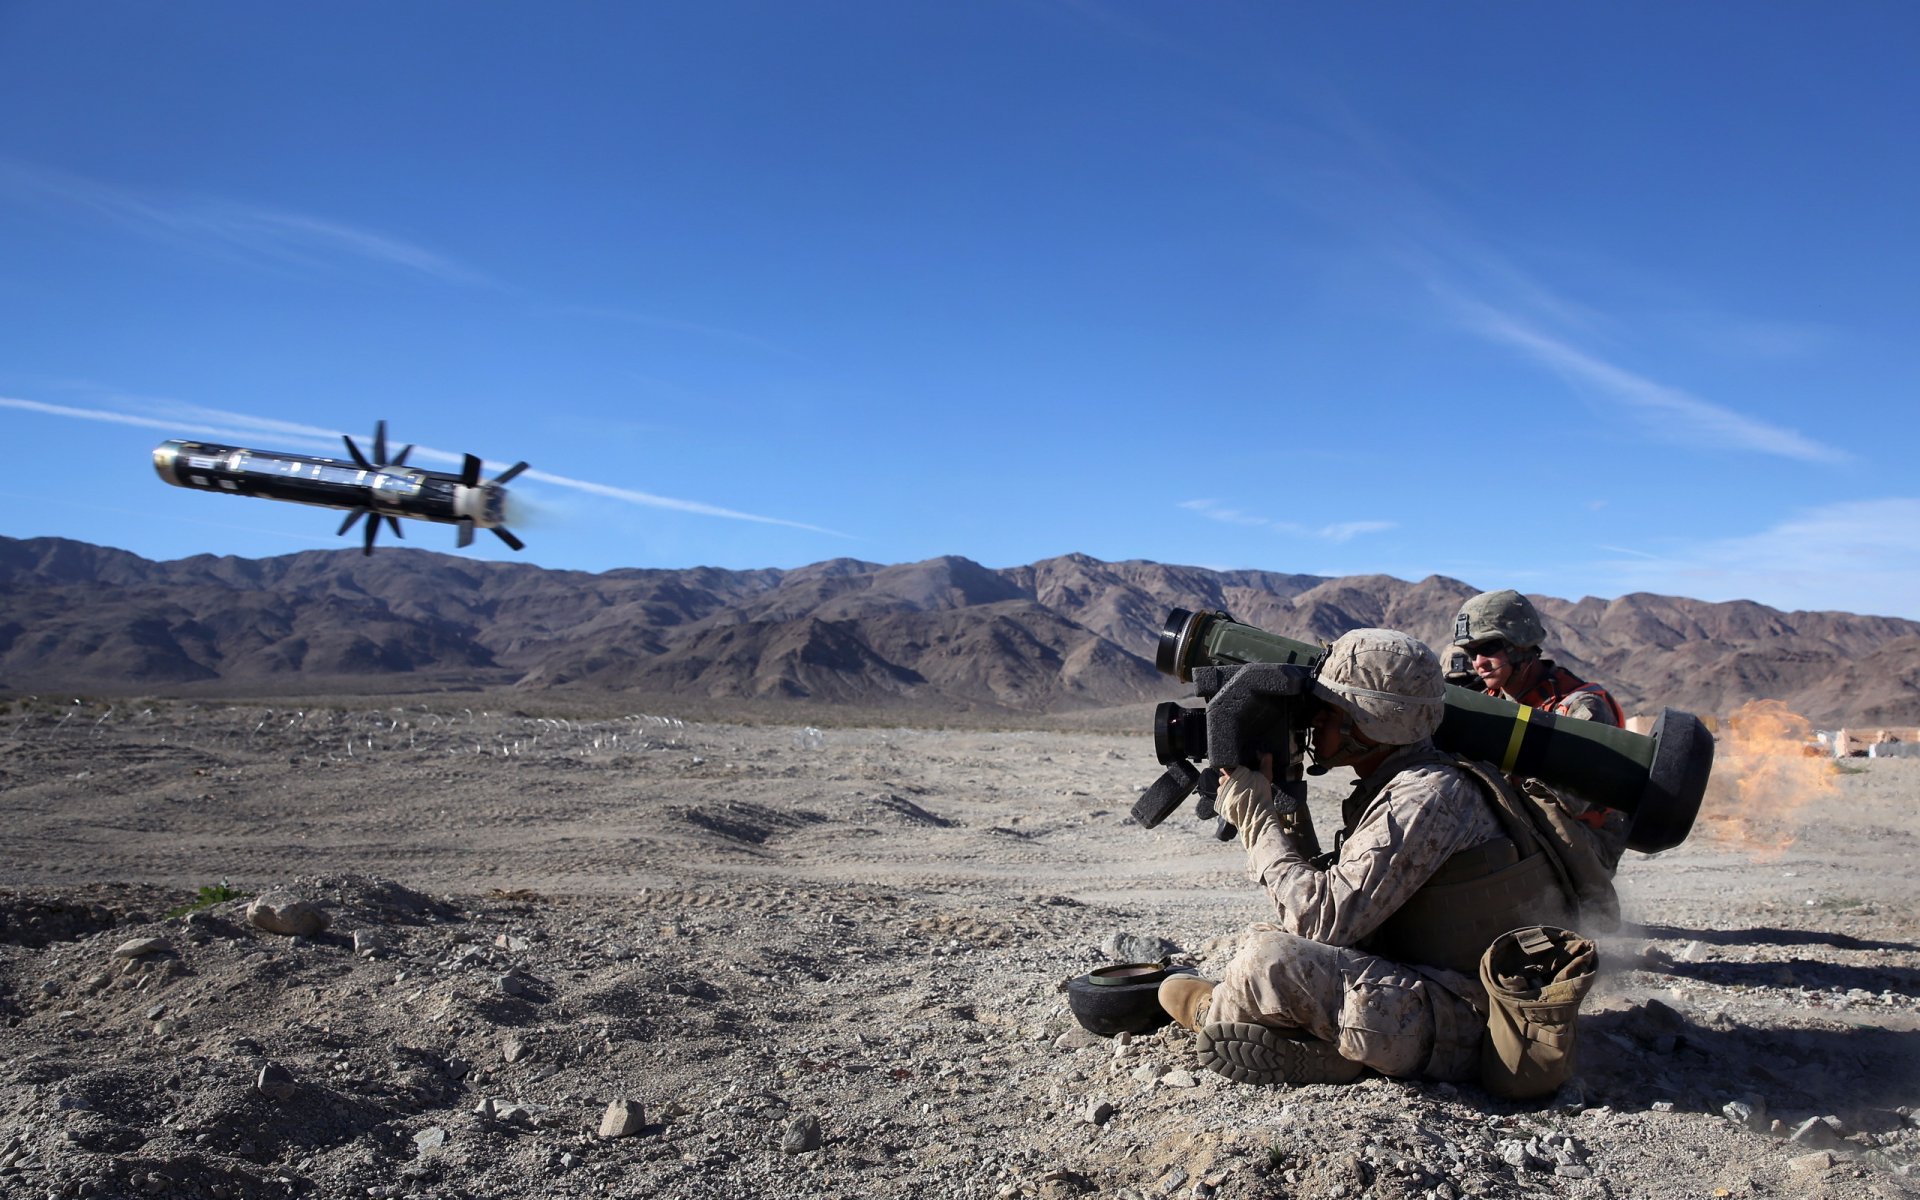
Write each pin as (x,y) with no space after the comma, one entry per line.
(1535,979)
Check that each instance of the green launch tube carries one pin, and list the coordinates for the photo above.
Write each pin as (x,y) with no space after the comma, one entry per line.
(1658,778)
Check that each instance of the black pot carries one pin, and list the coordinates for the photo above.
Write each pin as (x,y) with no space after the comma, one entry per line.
(1121,998)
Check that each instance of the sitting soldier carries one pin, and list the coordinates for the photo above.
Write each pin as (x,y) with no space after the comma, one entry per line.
(1373,960)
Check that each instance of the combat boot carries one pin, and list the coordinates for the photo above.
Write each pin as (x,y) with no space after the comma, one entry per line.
(1186,999)
(1250,1053)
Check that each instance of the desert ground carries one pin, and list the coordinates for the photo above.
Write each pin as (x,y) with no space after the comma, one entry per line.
(822,960)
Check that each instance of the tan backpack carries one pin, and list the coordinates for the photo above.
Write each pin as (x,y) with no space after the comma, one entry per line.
(1536,820)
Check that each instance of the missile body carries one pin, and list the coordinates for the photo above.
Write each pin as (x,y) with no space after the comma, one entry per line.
(374,489)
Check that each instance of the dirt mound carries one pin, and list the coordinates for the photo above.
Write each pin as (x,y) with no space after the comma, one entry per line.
(34,918)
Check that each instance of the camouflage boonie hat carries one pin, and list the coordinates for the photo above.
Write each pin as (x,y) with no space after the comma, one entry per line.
(1504,614)
(1387,682)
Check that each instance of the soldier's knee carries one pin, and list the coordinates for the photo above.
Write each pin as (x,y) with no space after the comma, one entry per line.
(1267,945)
(1387,1026)
(1262,975)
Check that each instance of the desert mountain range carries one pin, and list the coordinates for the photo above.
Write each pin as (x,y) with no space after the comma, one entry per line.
(1061,635)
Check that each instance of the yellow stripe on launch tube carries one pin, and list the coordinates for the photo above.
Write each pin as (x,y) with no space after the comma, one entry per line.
(1512,755)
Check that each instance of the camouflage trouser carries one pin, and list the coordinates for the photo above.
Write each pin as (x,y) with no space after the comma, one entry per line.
(1395,1019)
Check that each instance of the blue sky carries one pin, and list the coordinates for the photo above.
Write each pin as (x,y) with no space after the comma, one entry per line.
(1581,299)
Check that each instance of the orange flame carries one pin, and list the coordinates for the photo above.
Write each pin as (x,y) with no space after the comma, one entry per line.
(1763,776)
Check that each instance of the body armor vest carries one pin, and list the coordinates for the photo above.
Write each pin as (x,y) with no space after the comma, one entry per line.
(1479,893)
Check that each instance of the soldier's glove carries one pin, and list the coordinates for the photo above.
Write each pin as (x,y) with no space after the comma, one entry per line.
(1246,801)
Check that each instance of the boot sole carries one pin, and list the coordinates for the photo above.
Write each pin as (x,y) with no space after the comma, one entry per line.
(1258,1054)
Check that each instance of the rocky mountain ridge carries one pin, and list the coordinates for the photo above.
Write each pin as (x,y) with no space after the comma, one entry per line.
(947,634)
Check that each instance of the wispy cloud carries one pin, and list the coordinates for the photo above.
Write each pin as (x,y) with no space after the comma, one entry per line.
(1341,531)
(1754,338)
(189,420)
(206,424)
(1855,556)
(1366,182)
(251,232)
(1214,510)
(1676,414)
(1346,530)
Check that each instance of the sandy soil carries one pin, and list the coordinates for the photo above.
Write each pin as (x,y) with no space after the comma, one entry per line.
(827,963)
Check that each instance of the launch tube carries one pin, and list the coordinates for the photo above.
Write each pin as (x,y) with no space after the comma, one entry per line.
(1658,779)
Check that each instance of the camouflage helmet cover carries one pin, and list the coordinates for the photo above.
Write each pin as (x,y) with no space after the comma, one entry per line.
(1503,614)
(1388,682)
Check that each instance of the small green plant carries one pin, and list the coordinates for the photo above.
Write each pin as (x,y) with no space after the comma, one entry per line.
(1842,904)
(207,897)
(1840,768)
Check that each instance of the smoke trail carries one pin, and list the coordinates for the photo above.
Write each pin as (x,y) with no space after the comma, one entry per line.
(245,430)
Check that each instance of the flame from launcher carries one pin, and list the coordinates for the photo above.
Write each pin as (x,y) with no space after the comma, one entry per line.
(1763,777)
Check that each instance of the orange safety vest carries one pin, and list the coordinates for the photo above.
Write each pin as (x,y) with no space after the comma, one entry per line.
(1558,686)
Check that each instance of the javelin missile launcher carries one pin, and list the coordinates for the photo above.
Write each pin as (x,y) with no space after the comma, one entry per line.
(1257,702)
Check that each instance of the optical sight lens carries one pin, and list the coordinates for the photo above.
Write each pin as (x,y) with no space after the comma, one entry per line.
(1179,732)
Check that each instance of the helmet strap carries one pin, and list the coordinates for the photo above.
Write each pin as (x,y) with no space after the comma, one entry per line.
(1520,664)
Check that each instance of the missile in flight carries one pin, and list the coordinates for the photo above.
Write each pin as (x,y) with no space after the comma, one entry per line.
(377,488)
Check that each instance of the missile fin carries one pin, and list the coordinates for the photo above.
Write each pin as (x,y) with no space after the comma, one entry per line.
(506,535)
(400,459)
(373,530)
(380,443)
(510,472)
(470,471)
(359,459)
(466,534)
(393,523)
(347,524)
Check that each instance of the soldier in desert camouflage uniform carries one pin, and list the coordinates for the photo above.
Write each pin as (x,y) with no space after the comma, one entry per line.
(1372,961)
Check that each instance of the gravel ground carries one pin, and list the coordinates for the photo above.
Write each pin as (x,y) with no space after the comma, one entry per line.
(827,962)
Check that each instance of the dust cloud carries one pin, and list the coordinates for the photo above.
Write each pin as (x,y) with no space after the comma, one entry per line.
(1769,778)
